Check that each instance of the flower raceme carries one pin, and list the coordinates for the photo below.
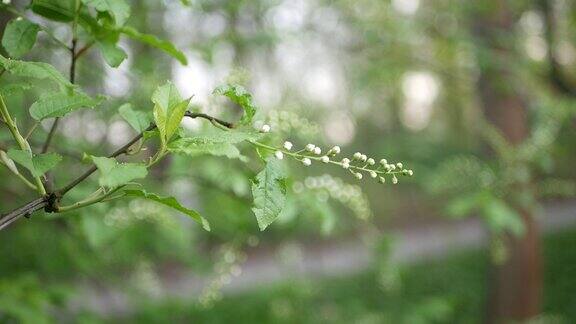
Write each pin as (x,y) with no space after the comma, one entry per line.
(358,164)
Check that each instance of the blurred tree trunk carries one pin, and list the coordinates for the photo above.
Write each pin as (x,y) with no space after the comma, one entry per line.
(515,284)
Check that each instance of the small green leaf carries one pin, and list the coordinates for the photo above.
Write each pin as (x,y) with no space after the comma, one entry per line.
(19,37)
(60,104)
(169,109)
(465,204)
(38,70)
(241,97)
(113,54)
(200,145)
(114,174)
(501,217)
(170,202)
(37,164)
(118,9)
(57,10)
(153,41)
(269,192)
(139,120)
(220,143)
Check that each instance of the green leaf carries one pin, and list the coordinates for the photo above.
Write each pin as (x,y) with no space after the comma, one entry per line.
(169,109)
(8,90)
(19,37)
(38,70)
(170,202)
(241,97)
(200,145)
(220,143)
(501,217)
(60,104)
(465,204)
(114,174)
(37,164)
(153,41)
(269,192)
(137,119)
(118,9)
(58,10)
(113,54)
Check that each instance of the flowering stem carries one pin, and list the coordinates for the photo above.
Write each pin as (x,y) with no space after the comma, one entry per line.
(299,156)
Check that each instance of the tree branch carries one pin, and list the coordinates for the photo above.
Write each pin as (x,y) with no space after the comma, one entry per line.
(26,210)
(49,202)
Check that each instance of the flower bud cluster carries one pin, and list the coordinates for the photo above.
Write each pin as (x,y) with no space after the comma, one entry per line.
(326,187)
(360,165)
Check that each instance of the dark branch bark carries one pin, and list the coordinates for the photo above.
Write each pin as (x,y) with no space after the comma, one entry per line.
(50,201)
(26,210)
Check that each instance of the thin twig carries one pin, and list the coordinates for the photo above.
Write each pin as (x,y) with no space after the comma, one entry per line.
(83,49)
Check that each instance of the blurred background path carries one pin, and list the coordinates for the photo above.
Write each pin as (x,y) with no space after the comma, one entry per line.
(339,258)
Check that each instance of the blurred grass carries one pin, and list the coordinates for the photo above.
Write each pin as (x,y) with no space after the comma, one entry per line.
(451,290)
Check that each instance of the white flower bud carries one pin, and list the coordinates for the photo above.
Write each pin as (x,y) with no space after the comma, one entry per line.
(399,165)
(265,128)
(363,158)
(392,167)
(325,159)
(279,155)
(382,180)
(346,161)
(357,156)
(306,161)
(358,175)
(394,180)
(310,147)
(288,145)
(345,165)
(371,161)
(384,162)
(317,150)
(410,173)
(334,150)
(373,174)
